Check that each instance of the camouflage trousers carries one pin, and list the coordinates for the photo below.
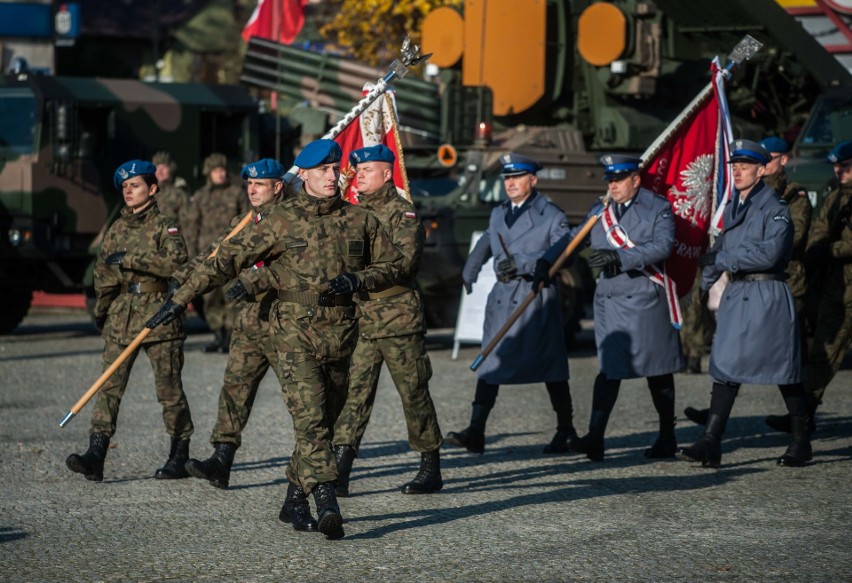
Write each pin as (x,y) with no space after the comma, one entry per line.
(699,324)
(219,313)
(166,359)
(832,340)
(410,369)
(249,358)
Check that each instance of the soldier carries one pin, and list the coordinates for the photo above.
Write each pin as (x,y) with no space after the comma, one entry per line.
(213,206)
(391,330)
(796,198)
(829,263)
(757,341)
(252,349)
(324,250)
(140,249)
(633,329)
(533,350)
(172,196)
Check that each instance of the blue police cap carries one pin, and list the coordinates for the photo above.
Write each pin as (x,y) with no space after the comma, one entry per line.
(377,153)
(617,166)
(131,169)
(517,165)
(748,151)
(841,152)
(266,168)
(775,145)
(318,152)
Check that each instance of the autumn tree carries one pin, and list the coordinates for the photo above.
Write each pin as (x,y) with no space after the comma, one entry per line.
(372,30)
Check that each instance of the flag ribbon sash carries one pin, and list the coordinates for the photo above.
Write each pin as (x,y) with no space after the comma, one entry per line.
(618,238)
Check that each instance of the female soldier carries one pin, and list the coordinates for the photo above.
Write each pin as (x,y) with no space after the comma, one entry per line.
(140,250)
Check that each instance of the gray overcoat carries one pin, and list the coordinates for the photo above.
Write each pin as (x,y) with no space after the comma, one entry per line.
(533,351)
(633,330)
(757,332)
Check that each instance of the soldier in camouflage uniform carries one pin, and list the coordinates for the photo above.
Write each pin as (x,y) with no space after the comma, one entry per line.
(172,196)
(391,330)
(696,334)
(212,208)
(252,349)
(324,250)
(829,264)
(140,250)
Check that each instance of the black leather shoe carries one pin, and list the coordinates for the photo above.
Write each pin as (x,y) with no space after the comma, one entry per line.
(796,456)
(664,447)
(697,416)
(297,511)
(709,454)
(560,442)
(593,447)
(469,438)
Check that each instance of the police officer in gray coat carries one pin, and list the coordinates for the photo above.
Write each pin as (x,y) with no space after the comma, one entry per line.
(634,333)
(533,350)
(757,332)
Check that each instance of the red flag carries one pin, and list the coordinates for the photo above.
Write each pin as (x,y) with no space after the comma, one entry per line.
(684,171)
(377,125)
(287,17)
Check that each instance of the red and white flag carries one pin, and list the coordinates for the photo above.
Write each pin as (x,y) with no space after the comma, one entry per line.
(278,20)
(377,125)
(685,171)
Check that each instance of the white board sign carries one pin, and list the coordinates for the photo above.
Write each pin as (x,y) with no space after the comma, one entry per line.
(471,316)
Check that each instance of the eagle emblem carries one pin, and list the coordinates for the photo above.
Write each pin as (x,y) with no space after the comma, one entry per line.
(252,171)
(693,203)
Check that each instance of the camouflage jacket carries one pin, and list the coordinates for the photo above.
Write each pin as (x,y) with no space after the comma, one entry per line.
(796,197)
(830,238)
(154,250)
(210,211)
(173,200)
(400,314)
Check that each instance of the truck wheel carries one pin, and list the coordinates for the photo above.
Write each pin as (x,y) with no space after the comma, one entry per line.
(16,304)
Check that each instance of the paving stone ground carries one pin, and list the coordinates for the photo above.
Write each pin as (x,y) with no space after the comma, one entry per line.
(512,514)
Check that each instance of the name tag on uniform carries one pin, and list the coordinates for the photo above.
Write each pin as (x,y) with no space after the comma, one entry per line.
(356,248)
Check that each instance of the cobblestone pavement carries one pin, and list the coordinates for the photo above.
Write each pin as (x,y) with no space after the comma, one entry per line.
(511,514)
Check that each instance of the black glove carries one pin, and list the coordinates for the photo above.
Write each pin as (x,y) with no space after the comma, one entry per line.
(506,270)
(116,258)
(604,258)
(100,321)
(345,283)
(173,287)
(468,286)
(707,259)
(541,274)
(236,292)
(167,313)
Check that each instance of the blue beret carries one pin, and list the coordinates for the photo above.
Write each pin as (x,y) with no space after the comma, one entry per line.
(775,145)
(517,165)
(617,166)
(318,152)
(266,168)
(131,169)
(377,153)
(841,152)
(748,151)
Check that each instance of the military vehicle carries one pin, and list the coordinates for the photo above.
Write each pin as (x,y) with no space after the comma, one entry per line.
(60,142)
(558,80)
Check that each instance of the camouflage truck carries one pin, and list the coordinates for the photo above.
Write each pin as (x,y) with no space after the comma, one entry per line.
(60,142)
(558,80)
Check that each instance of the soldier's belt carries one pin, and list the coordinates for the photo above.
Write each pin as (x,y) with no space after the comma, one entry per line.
(137,288)
(324,300)
(758,277)
(396,290)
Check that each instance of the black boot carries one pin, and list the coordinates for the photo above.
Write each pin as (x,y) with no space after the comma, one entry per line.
(799,451)
(330,521)
(697,416)
(663,396)
(780,423)
(178,456)
(560,399)
(344,455)
(604,395)
(561,442)
(296,510)
(665,446)
(428,479)
(91,463)
(708,448)
(225,345)
(472,437)
(217,468)
(216,345)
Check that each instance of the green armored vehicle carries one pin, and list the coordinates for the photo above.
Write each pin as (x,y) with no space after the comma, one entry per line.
(60,142)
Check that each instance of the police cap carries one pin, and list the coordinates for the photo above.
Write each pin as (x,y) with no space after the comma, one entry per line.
(841,152)
(775,145)
(377,153)
(748,151)
(518,165)
(618,166)
(131,169)
(318,152)
(266,168)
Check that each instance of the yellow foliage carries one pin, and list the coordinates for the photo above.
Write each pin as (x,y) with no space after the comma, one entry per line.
(373,30)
